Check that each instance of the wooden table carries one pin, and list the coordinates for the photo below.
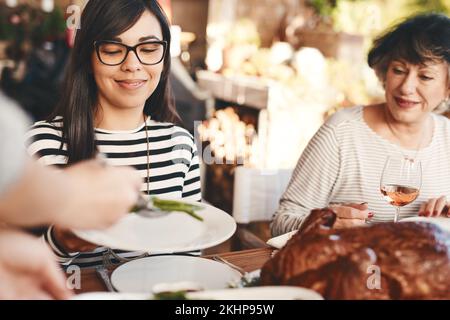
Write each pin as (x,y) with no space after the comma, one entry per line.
(249,260)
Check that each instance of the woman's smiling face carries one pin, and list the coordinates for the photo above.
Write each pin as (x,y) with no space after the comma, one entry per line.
(412,91)
(131,83)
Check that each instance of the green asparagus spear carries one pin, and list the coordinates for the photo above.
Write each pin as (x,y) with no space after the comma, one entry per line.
(168,203)
(173,205)
(178,295)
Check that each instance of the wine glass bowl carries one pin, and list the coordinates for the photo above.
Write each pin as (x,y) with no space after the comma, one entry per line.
(398,195)
(400,182)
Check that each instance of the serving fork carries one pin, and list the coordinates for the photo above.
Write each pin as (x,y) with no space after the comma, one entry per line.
(145,208)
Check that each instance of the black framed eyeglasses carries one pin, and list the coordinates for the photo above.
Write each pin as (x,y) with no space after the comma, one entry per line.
(113,53)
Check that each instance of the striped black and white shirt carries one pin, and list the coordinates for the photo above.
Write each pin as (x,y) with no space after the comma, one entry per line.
(174,166)
(343,163)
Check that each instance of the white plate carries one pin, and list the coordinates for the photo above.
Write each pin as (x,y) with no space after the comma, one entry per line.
(174,232)
(280,241)
(100,295)
(258,293)
(253,293)
(442,222)
(143,275)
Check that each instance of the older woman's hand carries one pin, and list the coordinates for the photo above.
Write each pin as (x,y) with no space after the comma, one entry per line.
(434,207)
(350,215)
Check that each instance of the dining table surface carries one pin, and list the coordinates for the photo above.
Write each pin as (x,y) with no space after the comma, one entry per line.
(248,260)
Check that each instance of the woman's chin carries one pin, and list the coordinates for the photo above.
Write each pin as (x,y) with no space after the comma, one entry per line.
(409,116)
(130,102)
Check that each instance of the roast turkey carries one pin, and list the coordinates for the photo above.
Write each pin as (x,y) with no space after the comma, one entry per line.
(407,260)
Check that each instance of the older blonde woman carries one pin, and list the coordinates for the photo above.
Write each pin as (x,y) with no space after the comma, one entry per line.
(344,160)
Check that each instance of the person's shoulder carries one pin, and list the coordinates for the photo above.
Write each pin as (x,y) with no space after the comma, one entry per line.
(344,116)
(43,138)
(45,128)
(55,124)
(441,119)
(182,131)
(168,128)
(442,123)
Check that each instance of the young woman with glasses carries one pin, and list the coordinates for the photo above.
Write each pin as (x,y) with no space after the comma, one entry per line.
(117,102)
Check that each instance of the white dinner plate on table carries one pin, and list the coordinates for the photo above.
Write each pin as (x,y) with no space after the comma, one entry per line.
(253,293)
(171,233)
(258,293)
(442,222)
(146,274)
(100,295)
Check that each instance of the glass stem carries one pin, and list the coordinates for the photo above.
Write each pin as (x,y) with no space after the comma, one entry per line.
(397,214)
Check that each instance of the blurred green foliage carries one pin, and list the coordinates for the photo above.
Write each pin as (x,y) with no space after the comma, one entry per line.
(28,23)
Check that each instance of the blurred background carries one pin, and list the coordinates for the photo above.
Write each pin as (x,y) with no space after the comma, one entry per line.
(253,79)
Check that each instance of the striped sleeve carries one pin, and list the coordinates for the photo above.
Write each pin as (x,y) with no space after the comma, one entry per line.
(312,183)
(62,256)
(191,184)
(44,142)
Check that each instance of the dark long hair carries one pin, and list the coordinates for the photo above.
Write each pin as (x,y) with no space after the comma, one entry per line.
(105,19)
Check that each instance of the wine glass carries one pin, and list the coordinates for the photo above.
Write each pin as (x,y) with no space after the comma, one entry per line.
(400,182)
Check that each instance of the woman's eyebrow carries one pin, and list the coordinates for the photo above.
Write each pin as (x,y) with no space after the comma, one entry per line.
(429,66)
(148,38)
(428,69)
(399,61)
(117,39)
